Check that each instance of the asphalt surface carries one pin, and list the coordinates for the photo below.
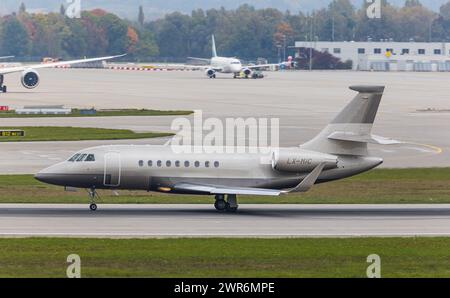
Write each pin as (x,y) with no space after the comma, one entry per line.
(141,221)
(304,102)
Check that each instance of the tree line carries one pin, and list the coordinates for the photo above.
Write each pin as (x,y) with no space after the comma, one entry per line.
(245,32)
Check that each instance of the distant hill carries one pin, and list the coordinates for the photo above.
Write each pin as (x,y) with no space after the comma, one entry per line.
(157,8)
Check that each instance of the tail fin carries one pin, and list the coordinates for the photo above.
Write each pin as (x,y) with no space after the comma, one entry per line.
(350,131)
(214,51)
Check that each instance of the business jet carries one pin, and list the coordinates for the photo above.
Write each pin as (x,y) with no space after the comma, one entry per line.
(228,65)
(339,151)
(30,77)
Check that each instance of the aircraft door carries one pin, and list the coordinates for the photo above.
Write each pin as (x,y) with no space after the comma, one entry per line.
(113,169)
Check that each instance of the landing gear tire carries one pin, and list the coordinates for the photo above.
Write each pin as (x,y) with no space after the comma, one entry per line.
(232,209)
(221,205)
(230,205)
(93,207)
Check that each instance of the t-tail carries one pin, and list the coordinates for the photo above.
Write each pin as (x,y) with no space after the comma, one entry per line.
(351,131)
(214,50)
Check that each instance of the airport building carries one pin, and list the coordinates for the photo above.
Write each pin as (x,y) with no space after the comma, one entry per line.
(387,55)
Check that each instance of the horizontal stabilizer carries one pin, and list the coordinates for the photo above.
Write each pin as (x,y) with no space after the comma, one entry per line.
(370,139)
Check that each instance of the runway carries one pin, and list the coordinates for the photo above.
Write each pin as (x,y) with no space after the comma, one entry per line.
(272,221)
(304,102)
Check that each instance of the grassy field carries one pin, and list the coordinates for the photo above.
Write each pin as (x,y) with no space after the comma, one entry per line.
(400,257)
(383,186)
(102,113)
(34,134)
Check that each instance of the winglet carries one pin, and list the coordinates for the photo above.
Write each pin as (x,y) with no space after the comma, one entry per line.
(309,180)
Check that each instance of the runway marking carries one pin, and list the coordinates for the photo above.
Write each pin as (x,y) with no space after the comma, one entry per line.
(437,150)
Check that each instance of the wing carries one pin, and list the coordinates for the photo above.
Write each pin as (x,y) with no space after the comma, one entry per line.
(226,190)
(50,65)
(261,66)
(200,59)
(305,185)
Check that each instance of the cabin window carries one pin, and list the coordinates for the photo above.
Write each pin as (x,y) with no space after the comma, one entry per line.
(159,163)
(150,163)
(186,164)
(81,157)
(168,163)
(90,158)
(197,164)
(207,164)
(73,158)
(177,163)
(141,163)
(216,164)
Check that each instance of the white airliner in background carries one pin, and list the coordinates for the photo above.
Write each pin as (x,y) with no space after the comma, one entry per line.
(30,77)
(226,64)
(6,57)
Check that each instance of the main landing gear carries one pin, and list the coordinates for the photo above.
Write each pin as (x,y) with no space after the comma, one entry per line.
(229,205)
(93,195)
(3,88)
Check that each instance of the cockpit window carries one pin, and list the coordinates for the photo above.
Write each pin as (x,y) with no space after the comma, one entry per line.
(90,157)
(81,157)
(73,158)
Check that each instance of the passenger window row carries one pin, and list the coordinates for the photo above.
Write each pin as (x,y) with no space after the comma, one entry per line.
(177,164)
(82,158)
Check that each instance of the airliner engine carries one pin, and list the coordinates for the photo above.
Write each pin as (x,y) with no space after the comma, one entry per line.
(30,79)
(210,73)
(247,71)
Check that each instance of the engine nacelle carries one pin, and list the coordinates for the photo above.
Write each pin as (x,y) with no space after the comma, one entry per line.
(247,71)
(30,79)
(302,161)
(210,72)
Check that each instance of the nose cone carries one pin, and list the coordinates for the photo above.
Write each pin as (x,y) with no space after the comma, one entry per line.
(51,175)
(237,68)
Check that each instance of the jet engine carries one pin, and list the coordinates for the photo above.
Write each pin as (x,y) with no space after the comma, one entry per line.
(210,73)
(247,71)
(30,79)
(302,161)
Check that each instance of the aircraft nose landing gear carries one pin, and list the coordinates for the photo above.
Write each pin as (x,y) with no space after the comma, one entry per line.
(230,205)
(93,195)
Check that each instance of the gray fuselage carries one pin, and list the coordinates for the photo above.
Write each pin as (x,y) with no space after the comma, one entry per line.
(160,168)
